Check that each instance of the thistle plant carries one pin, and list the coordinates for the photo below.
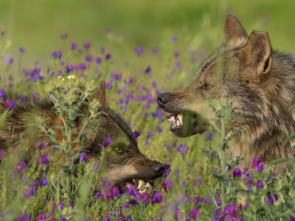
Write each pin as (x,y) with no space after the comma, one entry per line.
(70,95)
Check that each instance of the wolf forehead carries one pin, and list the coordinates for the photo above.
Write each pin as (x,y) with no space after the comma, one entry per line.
(113,125)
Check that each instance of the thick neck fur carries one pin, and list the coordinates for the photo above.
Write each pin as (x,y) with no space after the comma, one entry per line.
(267,120)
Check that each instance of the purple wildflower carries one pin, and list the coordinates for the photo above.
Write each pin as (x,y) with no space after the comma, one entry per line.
(138,51)
(83,157)
(209,137)
(102,50)
(270,199)
(40,145)
(259,184)
(98,60)
(237,172)
(43,182)
(160,130)
(164,185)
(99,195)
(183,184)
(230,210)
(2,93)
(108,56)
(136,134)
(74,46)
(200,181)
(87,45)
(107,142)
(148,70)
(154,51)
(36,95)
(95,167)
(202,55)
(88,58)
(27,193)
(181,149)
(177,65)
(64,36)
(42,217)
(116,76)
(218,202)
(61,205)
(257,165)
(63,219)
(109,85)
(173,38)
(169,183)
(198,200)
(108,31)
(176,54)
(146,143)
(109,194)
(9,104)
(106,218)
(167,170)
(149,134)
(194,213)
(22,166)
(23,217)
(3,33)
(57,54)
(8,60)
(156,197)
(43,159)
(33,184)
(21,50)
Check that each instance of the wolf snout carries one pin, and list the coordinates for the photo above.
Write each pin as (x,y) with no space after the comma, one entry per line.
(164,98)
(159,168)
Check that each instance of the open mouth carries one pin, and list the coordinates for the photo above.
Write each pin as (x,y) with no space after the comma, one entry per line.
(142,185)
(186,123)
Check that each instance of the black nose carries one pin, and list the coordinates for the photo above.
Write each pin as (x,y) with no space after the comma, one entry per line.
(159,168)
(163,98)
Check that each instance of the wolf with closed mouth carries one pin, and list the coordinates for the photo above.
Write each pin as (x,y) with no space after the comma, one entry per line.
(260,81)
(124,162)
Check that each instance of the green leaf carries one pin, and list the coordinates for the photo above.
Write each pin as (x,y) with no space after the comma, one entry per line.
(292,136)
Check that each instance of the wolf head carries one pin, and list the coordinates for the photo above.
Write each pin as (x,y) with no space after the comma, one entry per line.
(124,162)
(246,69)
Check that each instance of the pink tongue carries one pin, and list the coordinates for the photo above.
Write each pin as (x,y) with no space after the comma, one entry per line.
(129,185)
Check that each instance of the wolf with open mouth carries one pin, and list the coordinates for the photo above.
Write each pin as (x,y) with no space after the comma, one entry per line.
(261,82)
(125,164)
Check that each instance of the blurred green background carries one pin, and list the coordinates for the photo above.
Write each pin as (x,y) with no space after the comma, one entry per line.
(37,25)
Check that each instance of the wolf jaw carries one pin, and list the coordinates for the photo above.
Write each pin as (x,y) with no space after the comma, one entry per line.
(184,122)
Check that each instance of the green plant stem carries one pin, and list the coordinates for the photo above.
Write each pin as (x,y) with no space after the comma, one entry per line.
(222,161)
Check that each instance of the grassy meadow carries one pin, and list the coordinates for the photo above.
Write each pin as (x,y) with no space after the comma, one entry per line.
(140,48)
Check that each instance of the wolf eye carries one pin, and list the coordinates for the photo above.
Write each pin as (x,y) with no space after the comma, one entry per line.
(120,148)
(206,86)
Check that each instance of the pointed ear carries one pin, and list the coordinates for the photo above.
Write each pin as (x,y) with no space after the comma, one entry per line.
(235,34)
(256,54)
(100,95)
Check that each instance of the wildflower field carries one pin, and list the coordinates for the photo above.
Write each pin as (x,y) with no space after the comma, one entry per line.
(138,58)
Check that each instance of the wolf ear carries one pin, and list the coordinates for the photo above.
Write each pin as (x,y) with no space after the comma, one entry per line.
(257,53)
(100,95)
(235,34)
